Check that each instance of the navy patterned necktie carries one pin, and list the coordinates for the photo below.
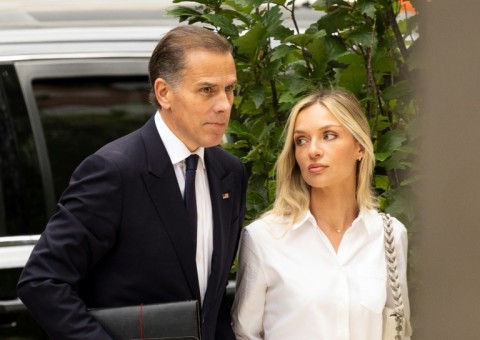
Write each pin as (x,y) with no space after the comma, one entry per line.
(189,195)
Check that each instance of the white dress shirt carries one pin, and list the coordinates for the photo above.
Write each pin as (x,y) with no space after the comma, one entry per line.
(178,152)
(291,284)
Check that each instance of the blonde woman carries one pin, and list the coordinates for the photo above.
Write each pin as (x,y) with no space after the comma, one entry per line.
(313,267)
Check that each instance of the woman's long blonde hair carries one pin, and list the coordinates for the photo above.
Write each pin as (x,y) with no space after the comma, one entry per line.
(292,192)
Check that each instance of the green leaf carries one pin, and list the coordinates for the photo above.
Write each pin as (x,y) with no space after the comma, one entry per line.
(254,3)
(272,18)
(248,107)
(258,95)
(298,85)
(287,97)
(361,36)
(282,51)
(381,156)
(319,5)
(401,204)
(272,70)
(334,21)
(249,44)
(350,58)
(381,182)
(398,90)
(238,129)
(390,142)
(266,133)
(223,23)
(240,6)
(391,164)
(239,144)
(354,76)
(319,56)
(381,123)
(280,32)
(182,11)
(300,39)
(367,8)
(383,64)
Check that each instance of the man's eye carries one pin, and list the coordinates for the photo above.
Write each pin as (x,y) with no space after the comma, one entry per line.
(207,90)
(230,88)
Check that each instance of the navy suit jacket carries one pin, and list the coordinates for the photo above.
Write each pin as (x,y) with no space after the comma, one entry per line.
(120,238)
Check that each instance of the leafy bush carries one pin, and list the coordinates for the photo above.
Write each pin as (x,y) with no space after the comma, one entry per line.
(365,46)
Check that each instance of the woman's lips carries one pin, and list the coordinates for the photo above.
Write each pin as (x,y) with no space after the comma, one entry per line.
(316,167)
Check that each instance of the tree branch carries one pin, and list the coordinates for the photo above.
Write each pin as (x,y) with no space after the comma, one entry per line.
(396,31)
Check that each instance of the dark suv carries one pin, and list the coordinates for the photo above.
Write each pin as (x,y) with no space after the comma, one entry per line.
(64,92)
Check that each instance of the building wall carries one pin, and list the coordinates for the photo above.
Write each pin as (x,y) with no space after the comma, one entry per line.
(447,304)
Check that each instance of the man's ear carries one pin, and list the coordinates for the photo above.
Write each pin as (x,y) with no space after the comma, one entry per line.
(162,90)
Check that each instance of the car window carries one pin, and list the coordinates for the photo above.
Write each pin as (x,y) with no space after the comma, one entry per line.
(79,115)
(52,116)
(22,208)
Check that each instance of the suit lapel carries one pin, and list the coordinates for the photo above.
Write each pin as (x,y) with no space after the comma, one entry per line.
(221,185)
(162,186)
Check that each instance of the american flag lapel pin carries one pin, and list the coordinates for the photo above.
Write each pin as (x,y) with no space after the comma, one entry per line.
(225,195)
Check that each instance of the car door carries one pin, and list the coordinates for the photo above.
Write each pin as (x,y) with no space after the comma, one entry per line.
(53,113)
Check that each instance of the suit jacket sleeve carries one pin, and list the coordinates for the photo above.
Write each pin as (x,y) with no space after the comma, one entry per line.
(76,237)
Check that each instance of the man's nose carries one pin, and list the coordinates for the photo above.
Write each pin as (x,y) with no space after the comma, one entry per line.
(224,102)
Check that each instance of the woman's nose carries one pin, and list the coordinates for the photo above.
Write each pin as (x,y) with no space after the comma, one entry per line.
(315,150)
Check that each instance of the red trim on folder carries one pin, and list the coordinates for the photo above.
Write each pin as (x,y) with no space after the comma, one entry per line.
(141,322)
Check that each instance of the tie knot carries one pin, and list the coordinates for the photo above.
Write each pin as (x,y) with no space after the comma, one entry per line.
(192,162)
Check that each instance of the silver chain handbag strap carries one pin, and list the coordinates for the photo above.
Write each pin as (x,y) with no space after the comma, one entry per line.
(392,272)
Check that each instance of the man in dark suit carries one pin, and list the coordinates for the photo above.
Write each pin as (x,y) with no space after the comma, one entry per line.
(120,236)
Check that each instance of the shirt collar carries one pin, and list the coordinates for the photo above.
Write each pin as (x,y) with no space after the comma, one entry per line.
(364,219)
(176,149)
(306,219)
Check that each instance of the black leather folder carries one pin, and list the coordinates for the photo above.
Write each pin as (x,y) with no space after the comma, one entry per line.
(165,321)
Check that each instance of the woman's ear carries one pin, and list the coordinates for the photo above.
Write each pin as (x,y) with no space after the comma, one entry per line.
(361,152)
(162,89)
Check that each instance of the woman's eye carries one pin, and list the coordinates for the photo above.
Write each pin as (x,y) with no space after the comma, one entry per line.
(300,141)
(329,136)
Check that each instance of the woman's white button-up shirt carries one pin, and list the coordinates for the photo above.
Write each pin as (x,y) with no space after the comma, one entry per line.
(291,284)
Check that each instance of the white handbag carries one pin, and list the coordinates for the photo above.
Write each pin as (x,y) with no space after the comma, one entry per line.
(395,325)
